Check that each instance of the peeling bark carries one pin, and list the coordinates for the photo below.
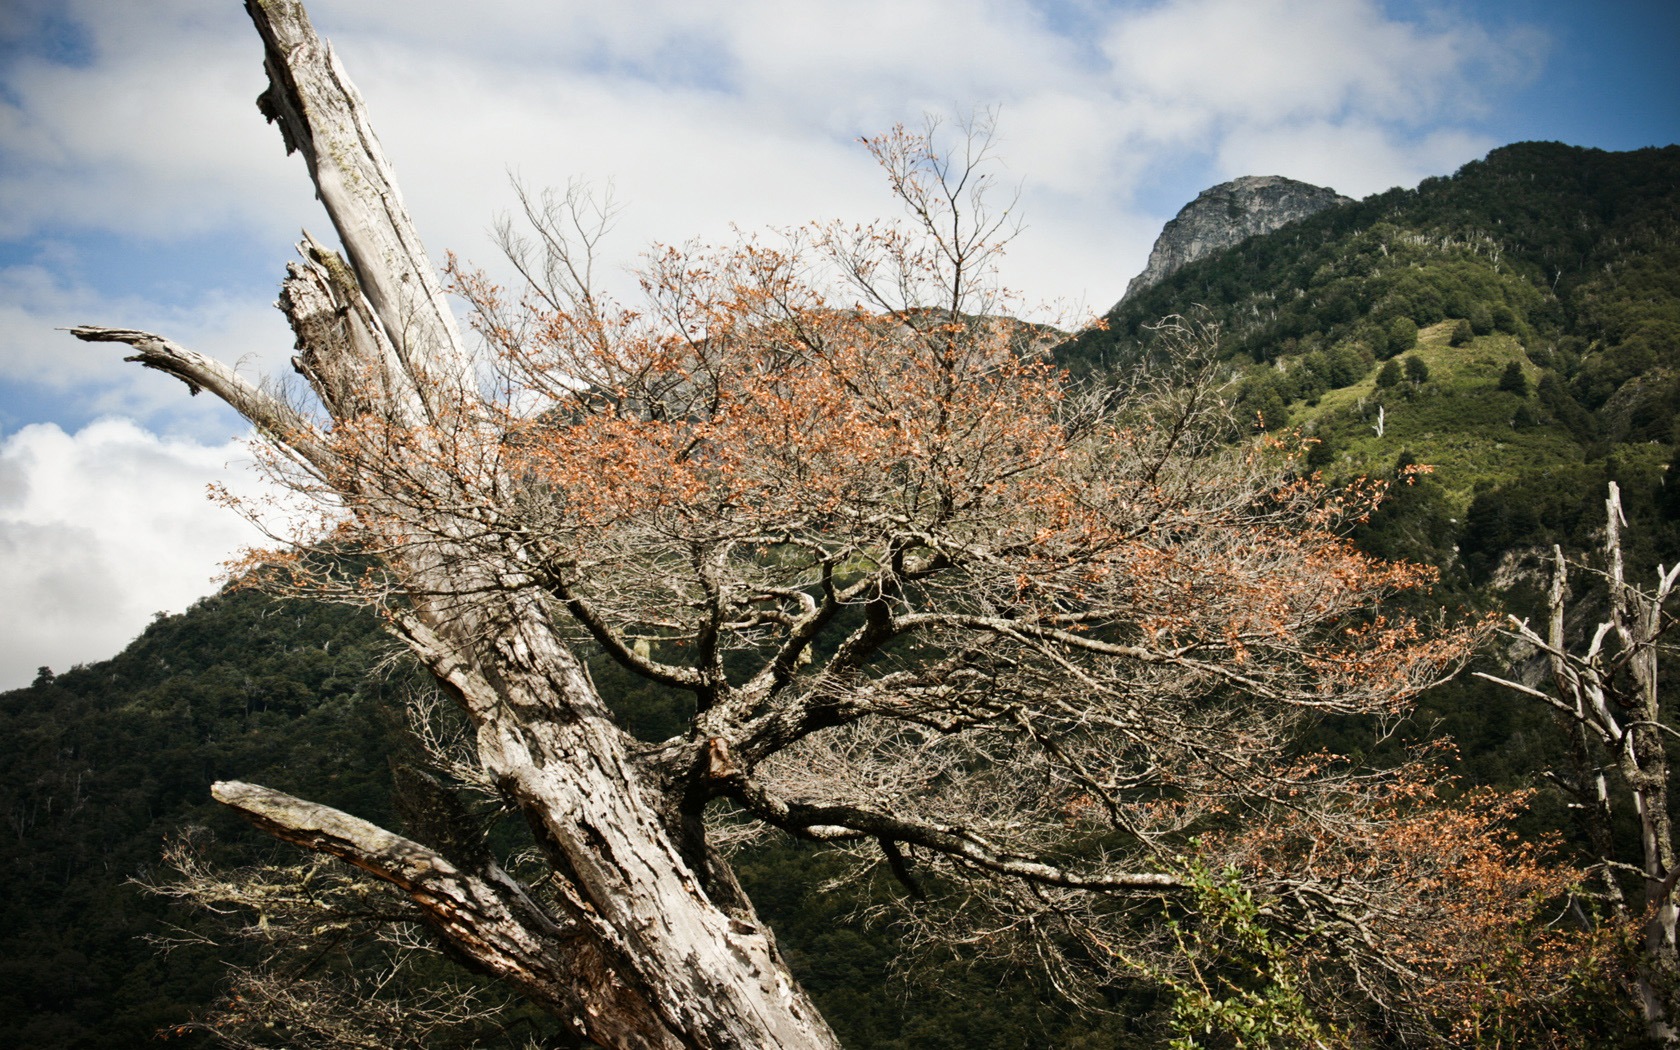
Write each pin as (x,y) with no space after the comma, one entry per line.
(487,916)
(321,115)
(285,424)
(645,956)
(1606,698)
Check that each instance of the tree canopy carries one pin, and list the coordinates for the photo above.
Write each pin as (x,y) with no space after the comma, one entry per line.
(1044,653)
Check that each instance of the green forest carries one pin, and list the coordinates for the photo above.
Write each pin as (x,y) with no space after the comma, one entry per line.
(1500,345)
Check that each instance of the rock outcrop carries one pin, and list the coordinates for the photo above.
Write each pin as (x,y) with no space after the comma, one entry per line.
(1228,214)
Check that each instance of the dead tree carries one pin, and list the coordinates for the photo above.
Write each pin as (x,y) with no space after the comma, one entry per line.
(1604,693)
(1024,646)
(652,951)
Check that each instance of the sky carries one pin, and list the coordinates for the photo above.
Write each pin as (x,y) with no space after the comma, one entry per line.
(139,187)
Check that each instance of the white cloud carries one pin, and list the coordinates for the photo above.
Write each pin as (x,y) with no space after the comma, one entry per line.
(701,114)
(756,126)
(1280,60)
(99,530)
(705,115)
(158,137)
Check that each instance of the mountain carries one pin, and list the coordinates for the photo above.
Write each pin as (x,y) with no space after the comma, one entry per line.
(1531,302)
(1228,214)
(1529,306)
(103,764)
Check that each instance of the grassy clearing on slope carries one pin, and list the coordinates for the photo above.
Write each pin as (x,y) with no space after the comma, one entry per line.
(1457,420)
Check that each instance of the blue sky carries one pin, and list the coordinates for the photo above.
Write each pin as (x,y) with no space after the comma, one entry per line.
(139,186)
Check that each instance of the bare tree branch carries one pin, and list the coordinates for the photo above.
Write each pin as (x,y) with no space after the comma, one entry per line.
(281,422)
(561,963)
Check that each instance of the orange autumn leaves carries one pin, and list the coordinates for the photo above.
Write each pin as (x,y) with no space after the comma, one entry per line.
(760,409)
(740,407)
(1123,588)
(1467,925)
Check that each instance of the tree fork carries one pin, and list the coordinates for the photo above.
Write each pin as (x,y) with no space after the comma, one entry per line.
(486,915)
(677,967)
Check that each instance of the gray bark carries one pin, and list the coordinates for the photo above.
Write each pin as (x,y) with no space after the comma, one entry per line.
(487,915)
(1606,697)
(657,947)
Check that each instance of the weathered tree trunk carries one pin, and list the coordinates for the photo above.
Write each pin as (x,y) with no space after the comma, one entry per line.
(657,947)
(1643,756)
(993,626)
(1606,698)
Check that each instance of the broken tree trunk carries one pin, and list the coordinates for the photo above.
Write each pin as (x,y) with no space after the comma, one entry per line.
(655,947)
(1606,698)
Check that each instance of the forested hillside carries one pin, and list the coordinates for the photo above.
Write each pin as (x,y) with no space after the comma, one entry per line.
(105,765)
(1515,326)
(1530,306)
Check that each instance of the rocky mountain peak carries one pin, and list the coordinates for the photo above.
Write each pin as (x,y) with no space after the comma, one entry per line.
(1228,214)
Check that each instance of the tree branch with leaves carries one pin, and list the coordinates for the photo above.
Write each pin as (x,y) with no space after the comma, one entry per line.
(1027,642)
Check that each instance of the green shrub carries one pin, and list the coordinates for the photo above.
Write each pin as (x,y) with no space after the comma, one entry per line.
(1402,336)
(1481,319)
(1513,381)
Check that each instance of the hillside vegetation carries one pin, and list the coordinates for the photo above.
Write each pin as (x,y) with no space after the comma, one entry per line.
(1560,263)
(1516,327)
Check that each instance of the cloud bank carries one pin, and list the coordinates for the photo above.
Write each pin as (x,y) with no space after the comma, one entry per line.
(138,186)
(100,530)
(708,115)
